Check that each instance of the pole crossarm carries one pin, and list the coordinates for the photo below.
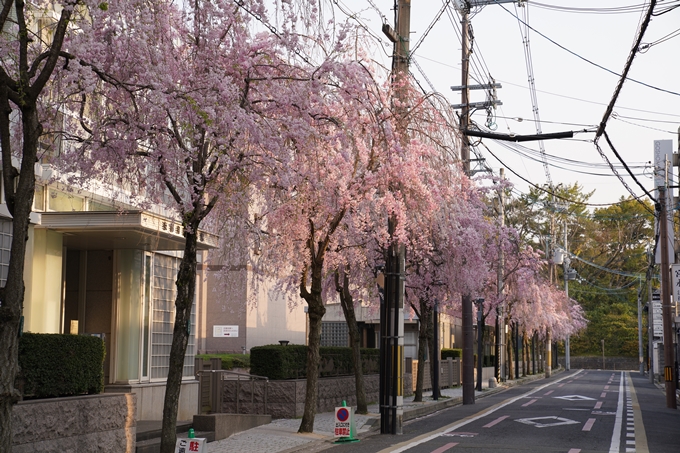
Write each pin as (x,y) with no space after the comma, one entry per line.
(519,138)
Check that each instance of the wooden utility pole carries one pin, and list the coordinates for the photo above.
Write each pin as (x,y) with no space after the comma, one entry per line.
(392,310)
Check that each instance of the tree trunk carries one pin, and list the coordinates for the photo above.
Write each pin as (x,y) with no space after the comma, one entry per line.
(347,303)
(423,344)
(497,348)
(24,93)
(480,352)
(315,312)
(434,370)
(525,354)
(186,289)
(12,295)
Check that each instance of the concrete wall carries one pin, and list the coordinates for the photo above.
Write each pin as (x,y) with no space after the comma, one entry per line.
(286,399)
(150,399)
(595,363)
(94,423)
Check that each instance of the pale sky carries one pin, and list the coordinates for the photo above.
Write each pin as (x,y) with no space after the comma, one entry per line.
(571,93)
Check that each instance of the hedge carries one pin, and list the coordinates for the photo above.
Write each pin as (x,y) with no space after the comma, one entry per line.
(53,365)
(229,361)
(290,362)
(453,353)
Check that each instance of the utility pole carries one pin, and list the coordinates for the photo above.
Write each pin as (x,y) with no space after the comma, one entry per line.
(463,7)
(468,338)
(669,360)
(567,360)
(640,354)
(650,317)
(392,312)
(500,309)
(480,345)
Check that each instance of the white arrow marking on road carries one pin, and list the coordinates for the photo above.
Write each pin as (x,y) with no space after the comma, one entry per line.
(559,421)
(574,398)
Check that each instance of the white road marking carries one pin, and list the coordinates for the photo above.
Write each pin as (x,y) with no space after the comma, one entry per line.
(447,429)
(615,445)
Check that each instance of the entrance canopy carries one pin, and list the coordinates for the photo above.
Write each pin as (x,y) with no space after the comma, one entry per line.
(109,230)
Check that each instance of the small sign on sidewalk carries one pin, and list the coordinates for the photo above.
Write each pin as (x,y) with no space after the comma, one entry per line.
(345,429)
(196,445)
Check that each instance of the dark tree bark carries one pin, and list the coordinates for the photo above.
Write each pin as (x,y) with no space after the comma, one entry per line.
(186,288)
(434,370)
(347,303)
(316,310)
(24,93)
(424,314)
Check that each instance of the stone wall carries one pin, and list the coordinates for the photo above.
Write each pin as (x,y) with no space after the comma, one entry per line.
(102,423)
(286,399)
(595,363)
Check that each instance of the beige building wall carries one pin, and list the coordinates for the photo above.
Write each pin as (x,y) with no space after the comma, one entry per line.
(259,314)
(43,280)
(275,317)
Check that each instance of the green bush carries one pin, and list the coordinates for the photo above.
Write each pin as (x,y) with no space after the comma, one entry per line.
(453,353)
(290,362)
(229,361)
(53,365)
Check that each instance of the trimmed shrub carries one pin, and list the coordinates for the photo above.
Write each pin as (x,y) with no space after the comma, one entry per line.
(290,362)
(229,361)
(53,365)
(453,353)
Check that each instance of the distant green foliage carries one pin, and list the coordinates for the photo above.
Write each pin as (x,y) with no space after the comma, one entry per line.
(453,353)
(54,365)
(290,362)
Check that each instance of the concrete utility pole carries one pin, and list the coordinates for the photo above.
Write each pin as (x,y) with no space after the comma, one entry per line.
(567,357)
(669,360)
(640,353)
(468,337)
(500,365)
(392,311)
(463,7)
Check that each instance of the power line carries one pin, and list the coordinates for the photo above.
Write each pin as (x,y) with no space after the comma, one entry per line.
(590,61)
(535,186)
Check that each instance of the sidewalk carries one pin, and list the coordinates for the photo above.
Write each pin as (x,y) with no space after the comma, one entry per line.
(281,436)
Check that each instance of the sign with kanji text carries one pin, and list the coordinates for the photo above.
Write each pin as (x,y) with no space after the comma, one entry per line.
(225,331)
(344,419)
(196,445)
(657,315)
(675,278)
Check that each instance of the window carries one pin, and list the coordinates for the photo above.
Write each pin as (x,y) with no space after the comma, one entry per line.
(5,247)
(334,334)
(163,316)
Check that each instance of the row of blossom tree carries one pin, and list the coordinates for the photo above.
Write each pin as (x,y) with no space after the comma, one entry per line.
(284,139)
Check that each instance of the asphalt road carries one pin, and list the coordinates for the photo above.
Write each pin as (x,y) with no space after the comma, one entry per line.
(574,412)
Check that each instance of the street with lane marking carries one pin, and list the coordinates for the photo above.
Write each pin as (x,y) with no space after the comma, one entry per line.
(577,411)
